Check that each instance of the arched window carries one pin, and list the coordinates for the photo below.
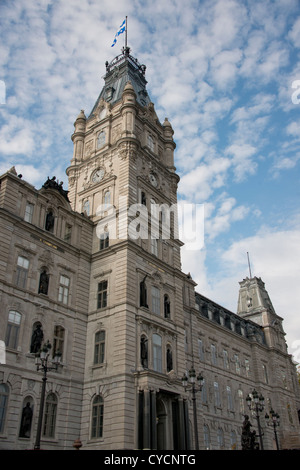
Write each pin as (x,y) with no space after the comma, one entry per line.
(206,434)
(106,198)
(4,392)
(220,437)
(13,329)
(99,350)
(86,207)
(233,440)
(101,139)
(157,353)
(50,415)
(97,417)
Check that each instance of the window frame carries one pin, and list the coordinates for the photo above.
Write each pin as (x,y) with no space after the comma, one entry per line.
(102,294)
(97,419)
(64,289)
(99,347)
(13,330)
(22,272)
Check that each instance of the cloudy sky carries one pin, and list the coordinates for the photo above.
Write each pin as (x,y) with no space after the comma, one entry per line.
(225,72)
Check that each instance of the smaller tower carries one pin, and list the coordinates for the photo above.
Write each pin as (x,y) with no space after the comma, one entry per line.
(255,304)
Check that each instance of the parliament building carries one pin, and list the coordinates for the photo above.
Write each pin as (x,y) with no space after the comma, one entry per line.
(89,277)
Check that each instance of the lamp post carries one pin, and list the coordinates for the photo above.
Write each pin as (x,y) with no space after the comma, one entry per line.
(256,403)
(192,379)
(41,361)
(273,420)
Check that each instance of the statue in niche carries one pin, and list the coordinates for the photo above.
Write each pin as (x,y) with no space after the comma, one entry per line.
(49,221)
(44,283)
(144,352)
(169,360)
(26,420)
(143,293)
(36,339)
(248,436)
(167,309)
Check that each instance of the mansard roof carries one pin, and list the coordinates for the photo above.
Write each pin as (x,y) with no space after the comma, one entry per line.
(123,69)
(216,313)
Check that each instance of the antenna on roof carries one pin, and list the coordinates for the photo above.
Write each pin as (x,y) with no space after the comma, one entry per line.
(249,265)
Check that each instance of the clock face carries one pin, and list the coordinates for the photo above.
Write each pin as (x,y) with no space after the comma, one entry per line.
(98,175)
(153,180)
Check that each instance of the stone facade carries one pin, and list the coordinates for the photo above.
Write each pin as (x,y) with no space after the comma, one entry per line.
(95,270)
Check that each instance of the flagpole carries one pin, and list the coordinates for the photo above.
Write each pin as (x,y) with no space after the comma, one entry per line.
(126,34)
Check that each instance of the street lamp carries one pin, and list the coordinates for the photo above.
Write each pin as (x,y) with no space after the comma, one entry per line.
(256,403)
(273,420)
(192,379)
(41,361)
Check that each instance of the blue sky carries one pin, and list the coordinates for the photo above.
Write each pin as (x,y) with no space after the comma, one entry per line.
(222,72)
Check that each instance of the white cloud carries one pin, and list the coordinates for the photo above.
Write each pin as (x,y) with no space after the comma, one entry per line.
(272,257)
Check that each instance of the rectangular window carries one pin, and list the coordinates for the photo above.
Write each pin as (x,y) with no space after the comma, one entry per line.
(237,364)
(241,401)
(247,366)
(225,358)
(213,354)
(229,398)
(102,294)
(13,328)
(22,272)
(154,246)
(99,347)
(157,354)
(200,349)
(28,212)
(155,300)
(68,233)
(217,394)
(104,240)
(63,292)
(58,340)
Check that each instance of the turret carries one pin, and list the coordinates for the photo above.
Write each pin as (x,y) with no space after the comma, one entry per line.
(255,304)
(78,137)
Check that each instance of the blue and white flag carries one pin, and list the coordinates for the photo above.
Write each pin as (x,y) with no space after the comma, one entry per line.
(120,31)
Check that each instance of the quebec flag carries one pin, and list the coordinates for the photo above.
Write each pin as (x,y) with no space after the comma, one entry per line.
(120,31)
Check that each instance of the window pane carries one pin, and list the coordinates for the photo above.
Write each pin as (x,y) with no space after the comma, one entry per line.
(28,212)
(3,405)
(157,353)
(155,300)
(102,294)
(50,415)
(97,417)
(12,330)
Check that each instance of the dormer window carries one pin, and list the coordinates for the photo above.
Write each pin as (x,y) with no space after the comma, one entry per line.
(109,93)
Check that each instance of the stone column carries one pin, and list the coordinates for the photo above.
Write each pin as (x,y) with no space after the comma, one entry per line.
(146,421)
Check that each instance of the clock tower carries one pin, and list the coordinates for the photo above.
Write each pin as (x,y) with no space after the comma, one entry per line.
(122,177)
